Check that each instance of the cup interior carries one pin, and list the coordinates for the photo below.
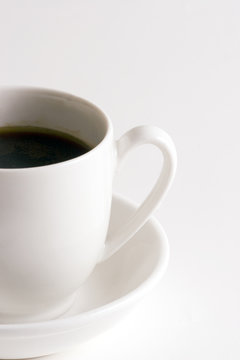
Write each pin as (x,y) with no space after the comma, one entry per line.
(53,110)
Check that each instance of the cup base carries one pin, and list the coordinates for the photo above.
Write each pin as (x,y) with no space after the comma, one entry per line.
(49,314)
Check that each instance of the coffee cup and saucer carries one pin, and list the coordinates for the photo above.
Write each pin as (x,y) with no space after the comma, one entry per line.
(71,253)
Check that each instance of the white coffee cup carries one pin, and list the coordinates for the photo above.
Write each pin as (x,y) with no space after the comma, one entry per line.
(54,219)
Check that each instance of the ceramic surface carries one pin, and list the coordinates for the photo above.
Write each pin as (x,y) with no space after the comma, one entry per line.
(54,219)
(109,293)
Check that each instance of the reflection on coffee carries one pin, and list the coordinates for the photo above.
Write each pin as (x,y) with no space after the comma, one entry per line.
(26,146)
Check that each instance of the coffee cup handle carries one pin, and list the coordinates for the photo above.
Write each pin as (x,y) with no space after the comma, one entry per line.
(133,138)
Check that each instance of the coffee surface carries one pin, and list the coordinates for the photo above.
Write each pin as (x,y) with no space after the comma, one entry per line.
(25,146)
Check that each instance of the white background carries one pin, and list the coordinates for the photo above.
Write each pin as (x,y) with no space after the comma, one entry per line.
(174,64)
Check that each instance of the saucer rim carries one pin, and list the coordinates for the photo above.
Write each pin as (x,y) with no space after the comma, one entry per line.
(73,322)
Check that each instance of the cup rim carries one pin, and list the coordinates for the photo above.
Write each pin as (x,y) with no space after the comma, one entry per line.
(66,95)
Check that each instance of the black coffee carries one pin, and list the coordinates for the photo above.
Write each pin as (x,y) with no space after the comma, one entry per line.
(25,146)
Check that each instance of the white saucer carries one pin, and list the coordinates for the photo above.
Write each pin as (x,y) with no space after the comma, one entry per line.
(113,288)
